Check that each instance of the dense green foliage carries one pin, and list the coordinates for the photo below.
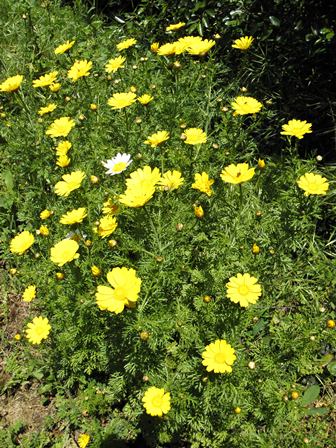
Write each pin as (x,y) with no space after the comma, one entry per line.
(97,365)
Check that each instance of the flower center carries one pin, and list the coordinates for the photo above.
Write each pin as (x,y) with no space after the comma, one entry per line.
(120,294)
(220,358)
(120,166)
(157,402)
(243,290)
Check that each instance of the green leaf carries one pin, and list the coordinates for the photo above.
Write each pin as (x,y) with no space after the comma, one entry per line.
(326,359)
(317,411)
(274,21)
(332,368)
(9,181)
(310,395)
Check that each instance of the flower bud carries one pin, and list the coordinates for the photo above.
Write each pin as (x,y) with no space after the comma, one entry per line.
(261,164)
(59,275)
(294,395)
(251,365)
(112,243)
(237,410)
(198,211)
(144,335)
(255,249)
(207,299)
(95,271)
(331,323)
(94,179)
(93,106)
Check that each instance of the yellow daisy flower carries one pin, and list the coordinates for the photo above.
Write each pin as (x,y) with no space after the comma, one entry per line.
(45,80)
(29,293)
(203,183)
(194,136)
(70,183)
(21,242)
(64,47)
(296,128)
(121,100)
(219,357)
(124,44)
(74,216)
(314,184)
(114,64)
(243,289)
(11,84)
(244,105)
(79,69)
(175,26)
(64,252)
(47,109)
(236,174)
(243,43)
(156,401)
(145,99)
(37,330)
(157,138)
(60,127)
(171,180)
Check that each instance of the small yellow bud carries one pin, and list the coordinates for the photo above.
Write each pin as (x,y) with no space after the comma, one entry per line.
(237,410)
(45,214)
(183,137)
(331,323)
(271,251)
(243,89)
(112,243)
(67,99)
(43,231)
(55,87)
(159,259)
(133,89)
(88,243)
(17,337)
(198,211)
(255,249)
(94,179)
(59,275)
(215,146)
(207,299)
(295,395)
(177,65)
(138,120)
(95,271)
(145,378)
(144,335)
(261,164)
(217,36)
(179,226)
(82,117)
(224,109)
(93,106)
(258,213)
(251,365)
(13,271)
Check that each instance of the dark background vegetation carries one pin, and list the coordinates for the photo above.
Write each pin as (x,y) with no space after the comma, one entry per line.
(292,61)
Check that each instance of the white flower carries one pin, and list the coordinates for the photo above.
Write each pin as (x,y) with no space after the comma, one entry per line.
(118,164)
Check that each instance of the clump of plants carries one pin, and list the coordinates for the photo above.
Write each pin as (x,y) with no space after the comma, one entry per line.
(178,284)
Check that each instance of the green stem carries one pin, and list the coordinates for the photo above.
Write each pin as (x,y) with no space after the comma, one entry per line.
(241,194)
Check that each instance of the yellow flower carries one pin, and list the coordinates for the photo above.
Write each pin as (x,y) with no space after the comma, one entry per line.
(11,84)
(203,183)
(198,211)
(45,110)
(63,147)
(109,208)
(121,100)
(296,128)
(243,289)
(106,226)
(244,105)
(166,49)
(261,164)
(171,180)
(45,214)
(55,86)
(243,43)
(186,42)
(155,47)
(124,292)
(219,357)
(236,174)
(79,69)
(156,401)
(64,47)
(255,249)
(140,187)
(200,48)
(156,139)
(21,242)
(60,127)
(313,184)
(145,99)
(95,271)
(124,44)
(195,136)
(175,26)
(17,337)
(45,80)
(43,231)
(74,216)
(114,64)
(64,251)
(83,440)
(63,161)
(70,182)
(29,293)
(38,329)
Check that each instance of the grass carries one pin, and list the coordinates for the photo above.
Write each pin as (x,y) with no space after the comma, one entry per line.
(90,374)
